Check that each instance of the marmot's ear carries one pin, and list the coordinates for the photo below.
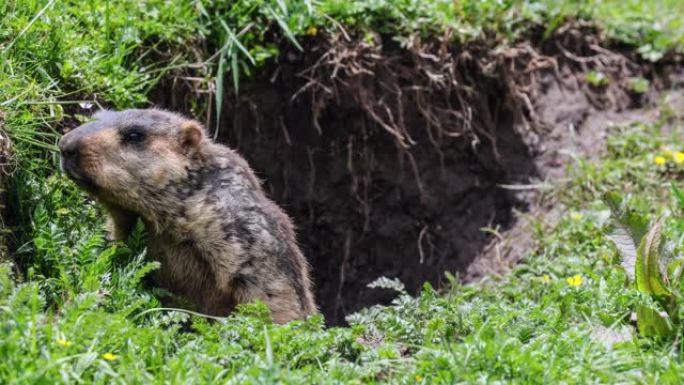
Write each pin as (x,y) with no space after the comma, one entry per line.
(191,135)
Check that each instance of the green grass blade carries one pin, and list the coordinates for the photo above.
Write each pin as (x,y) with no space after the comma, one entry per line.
(218,97)
(678,193)
(232,38)
(235,68)
(283,25)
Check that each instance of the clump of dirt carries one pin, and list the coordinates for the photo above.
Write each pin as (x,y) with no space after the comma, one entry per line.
(396,158)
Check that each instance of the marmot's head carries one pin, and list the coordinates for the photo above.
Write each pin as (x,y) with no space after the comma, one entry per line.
(122,156)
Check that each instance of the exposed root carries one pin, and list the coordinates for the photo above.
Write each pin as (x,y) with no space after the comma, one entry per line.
(339,306)
(384,85)
(450,87)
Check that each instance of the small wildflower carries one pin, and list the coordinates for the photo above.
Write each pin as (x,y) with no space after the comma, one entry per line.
(678,157)
(312,31)
(545,278)
(110,356)
(574,281)
(660,160)
(419,378)
(63,342)
(667,153)
(575,216)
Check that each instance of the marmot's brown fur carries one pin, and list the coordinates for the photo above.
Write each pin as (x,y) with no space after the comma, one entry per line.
(219,239)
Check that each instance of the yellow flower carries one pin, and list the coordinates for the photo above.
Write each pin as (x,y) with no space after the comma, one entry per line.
(574,281)
(659,160)
(419,378)
(312,31)
(63,342)
(678,157)
(110,356)
(545,278)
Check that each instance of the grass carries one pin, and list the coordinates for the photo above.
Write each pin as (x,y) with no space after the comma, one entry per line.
(78,312)
(533,326)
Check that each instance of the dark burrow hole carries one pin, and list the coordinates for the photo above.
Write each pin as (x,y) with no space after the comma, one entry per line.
(364,207)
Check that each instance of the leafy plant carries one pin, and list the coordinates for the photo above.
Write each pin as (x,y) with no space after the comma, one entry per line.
(639,85)
(596,78)
(641,247)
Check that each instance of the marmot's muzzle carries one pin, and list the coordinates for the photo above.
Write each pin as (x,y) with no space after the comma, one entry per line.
(70,160)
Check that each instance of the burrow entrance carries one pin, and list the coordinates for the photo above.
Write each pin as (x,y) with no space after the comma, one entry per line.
(390,159)
(366,209)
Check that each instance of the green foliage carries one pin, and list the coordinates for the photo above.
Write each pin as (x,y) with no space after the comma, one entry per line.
(597,78)
(80,311)
(633,229)
(562,316)
(639,85)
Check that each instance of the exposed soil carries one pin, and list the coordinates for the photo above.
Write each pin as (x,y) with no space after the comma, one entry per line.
(398,160)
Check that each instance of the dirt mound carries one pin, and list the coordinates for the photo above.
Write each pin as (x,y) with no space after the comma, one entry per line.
(396,158)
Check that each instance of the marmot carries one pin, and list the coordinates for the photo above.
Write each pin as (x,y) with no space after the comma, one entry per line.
(219,239)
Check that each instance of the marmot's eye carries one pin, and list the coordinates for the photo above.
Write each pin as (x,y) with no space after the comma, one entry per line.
(133,136)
